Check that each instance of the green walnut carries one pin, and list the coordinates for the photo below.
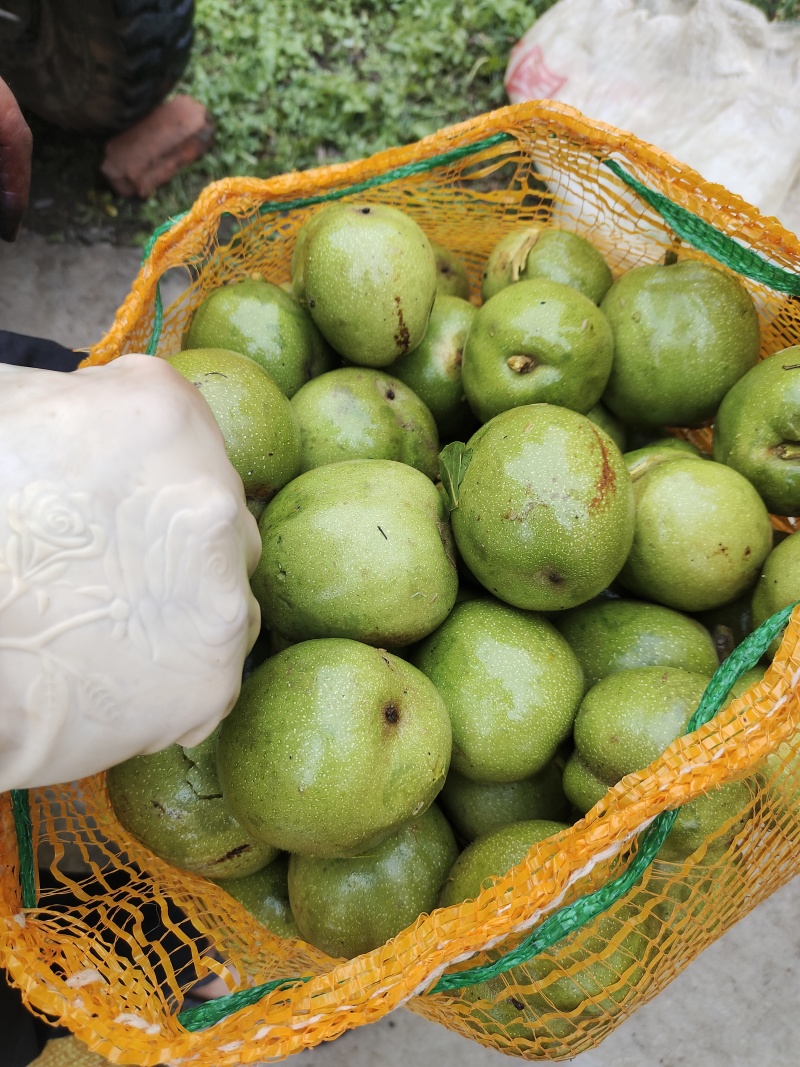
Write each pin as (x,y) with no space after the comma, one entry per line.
(684,334)
(603,418)
(757,430)
(512,686)
(451,274)
(701,535)
(494,855)
(259,320)
(544,514)
(359,549)
(617,635)
(778,585)
(351,905)
(557,255)
(332,746)
(369,281)
(172,802)
(265,894)
(624,723)
(359,413)
(433,369)
(262,439)
(536,342)
(477,808)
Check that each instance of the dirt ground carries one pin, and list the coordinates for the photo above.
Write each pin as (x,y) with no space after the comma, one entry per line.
(70,200)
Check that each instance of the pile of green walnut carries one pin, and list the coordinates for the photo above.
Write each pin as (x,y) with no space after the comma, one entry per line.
(450,671)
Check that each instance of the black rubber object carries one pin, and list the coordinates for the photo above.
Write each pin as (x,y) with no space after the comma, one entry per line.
(94,65)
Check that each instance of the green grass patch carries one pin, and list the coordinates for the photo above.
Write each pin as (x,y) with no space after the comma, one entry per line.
(778,9)
(293,85)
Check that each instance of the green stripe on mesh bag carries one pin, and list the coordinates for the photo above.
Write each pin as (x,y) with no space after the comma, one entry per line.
(21,808)
(706,238)
(398,173)
(570,918)
(573,916)
(695,231)
(562,923)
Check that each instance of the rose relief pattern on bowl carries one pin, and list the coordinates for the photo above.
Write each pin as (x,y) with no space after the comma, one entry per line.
(125,606)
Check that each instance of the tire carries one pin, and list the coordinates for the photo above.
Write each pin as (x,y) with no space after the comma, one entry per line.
(95,65)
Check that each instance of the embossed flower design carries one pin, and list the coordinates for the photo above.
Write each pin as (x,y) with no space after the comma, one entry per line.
(179,566)
(49,528)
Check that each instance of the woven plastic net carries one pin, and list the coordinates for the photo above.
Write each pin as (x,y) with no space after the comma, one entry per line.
(116,938)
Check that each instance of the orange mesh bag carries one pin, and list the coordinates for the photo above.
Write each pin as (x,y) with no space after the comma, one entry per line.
(592,923)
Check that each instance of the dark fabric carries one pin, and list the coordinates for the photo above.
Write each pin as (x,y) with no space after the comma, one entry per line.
(22,1036)
(22,1039)
(24,351)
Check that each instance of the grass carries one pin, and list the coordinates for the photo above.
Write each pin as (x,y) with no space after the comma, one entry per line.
(293,84)
(779,9)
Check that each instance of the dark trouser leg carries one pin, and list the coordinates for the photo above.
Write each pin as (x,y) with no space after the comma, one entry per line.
(22,1035)
(21,1038)
(25,351)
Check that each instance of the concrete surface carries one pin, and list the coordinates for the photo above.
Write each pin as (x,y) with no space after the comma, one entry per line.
(68,293)
(736,1006)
